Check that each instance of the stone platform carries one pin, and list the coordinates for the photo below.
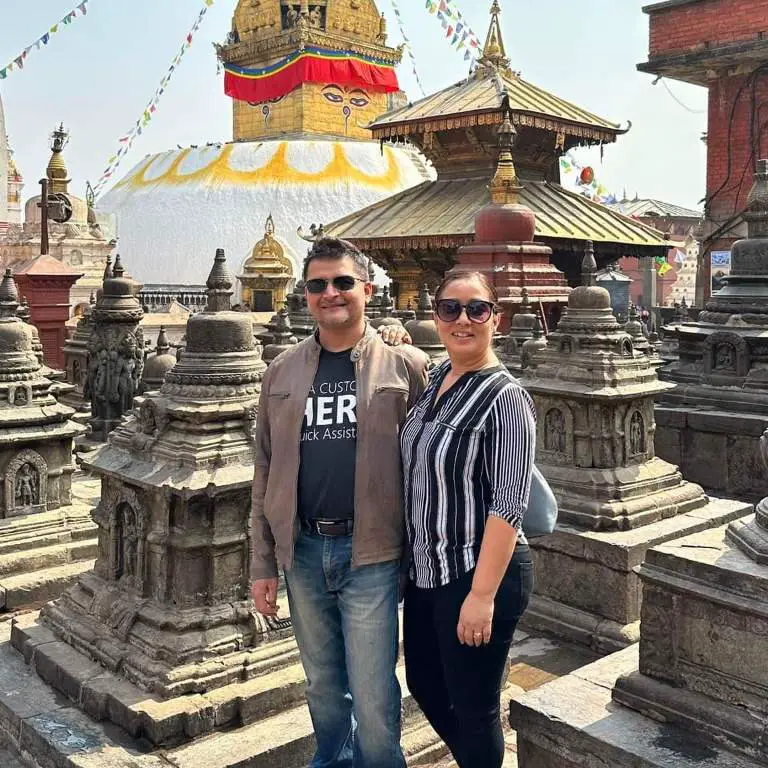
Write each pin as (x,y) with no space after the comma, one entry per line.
(586,588)
(574,723)
(693,692)
(51,732)
(719,450)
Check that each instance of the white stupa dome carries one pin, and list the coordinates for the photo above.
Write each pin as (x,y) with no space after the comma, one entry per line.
(175,208)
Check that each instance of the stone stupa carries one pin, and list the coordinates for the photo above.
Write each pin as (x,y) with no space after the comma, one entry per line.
(711,423)
(45,540)
(594,395)
(165,615)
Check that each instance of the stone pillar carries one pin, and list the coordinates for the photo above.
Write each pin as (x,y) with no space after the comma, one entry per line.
(46,284)
(115,352)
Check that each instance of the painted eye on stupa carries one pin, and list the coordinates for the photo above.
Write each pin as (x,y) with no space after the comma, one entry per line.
(334,94)
(359,99)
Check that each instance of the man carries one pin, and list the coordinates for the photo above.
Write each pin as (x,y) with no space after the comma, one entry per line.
(328,508)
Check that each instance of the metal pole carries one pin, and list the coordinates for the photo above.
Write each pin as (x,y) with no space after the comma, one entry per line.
(44,218)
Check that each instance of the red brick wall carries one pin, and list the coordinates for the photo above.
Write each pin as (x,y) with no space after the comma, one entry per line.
(723,95)
(684,27)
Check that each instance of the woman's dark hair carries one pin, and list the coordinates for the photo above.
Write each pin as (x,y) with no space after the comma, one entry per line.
(456,277)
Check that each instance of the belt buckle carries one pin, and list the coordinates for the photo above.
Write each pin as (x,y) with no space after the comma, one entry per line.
(322,525)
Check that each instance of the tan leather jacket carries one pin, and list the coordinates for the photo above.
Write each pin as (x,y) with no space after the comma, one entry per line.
(389,381)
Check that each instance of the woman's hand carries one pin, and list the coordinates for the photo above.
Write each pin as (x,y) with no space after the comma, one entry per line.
(475,620)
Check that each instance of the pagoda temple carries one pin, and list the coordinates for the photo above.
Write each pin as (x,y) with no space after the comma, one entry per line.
(416,234)
(305,84)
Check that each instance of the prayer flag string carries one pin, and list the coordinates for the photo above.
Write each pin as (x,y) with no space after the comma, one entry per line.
(18,61)
(126,142)
(408,45)
(457,29)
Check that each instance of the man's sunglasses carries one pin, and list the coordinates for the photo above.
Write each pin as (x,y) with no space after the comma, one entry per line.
(342,283)
(478,311)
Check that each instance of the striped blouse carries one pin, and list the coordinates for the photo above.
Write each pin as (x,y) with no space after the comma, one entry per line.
(468,457)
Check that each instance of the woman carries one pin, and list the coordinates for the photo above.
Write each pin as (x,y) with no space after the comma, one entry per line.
(468,450)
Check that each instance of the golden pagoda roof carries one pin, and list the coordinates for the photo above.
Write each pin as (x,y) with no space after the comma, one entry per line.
(441,214)
(478,101)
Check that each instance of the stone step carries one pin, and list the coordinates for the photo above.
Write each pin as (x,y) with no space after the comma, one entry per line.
(26,561)
(44,531)
(285,740)
(39,586)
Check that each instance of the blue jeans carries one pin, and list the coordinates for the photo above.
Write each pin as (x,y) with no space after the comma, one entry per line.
(345,622)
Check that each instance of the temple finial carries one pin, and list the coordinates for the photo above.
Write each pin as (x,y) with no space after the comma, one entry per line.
(505,187)
(494,51)
(219,284)
(589,266)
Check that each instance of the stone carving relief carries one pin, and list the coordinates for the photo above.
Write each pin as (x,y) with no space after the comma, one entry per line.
(122,520)
(115,365)
(566,345)
(726,354)
(636,434)
(20,396)
(26,484)
(554,431)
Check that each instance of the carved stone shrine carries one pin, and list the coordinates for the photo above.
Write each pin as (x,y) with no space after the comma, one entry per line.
(282,338)
(40,528)
(695,693)
(594,397)
(165,614)
(115,352)
(157,365)
(423,330)
(712,422)
(76,359)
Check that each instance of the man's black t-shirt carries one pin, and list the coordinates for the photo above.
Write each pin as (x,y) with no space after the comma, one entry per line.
(329,441)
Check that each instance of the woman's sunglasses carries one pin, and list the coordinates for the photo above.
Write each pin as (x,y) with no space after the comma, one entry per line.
(478,311)
(342,283)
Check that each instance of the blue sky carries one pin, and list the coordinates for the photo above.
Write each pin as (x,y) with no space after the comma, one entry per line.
(98,73)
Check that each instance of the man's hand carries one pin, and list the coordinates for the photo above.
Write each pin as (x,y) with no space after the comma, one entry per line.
(264,592)
(394,335)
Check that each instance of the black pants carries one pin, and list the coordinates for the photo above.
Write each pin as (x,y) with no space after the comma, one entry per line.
(458,687)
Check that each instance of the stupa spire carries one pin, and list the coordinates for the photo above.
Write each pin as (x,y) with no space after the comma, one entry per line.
(56,171)
(219,284)
(494,50)
(505,187)
(589,266)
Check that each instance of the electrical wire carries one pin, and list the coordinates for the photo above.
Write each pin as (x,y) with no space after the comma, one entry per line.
(684,106)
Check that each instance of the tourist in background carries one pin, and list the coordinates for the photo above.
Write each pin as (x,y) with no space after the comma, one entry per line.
(327,508)
(468,451)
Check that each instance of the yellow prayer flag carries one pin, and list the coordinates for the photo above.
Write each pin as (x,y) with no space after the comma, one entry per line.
(664,268)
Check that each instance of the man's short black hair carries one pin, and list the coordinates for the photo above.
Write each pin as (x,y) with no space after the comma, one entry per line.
(332,248)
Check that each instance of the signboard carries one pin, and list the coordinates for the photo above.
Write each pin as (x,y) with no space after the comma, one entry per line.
(720,262)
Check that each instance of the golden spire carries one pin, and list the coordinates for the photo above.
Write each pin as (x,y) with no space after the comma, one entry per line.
(505,187)
(494,51)
(57,169)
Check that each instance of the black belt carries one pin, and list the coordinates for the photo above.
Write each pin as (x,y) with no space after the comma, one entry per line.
(330,527)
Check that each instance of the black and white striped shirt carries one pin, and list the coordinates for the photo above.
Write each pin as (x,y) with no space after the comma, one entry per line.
(468,457)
